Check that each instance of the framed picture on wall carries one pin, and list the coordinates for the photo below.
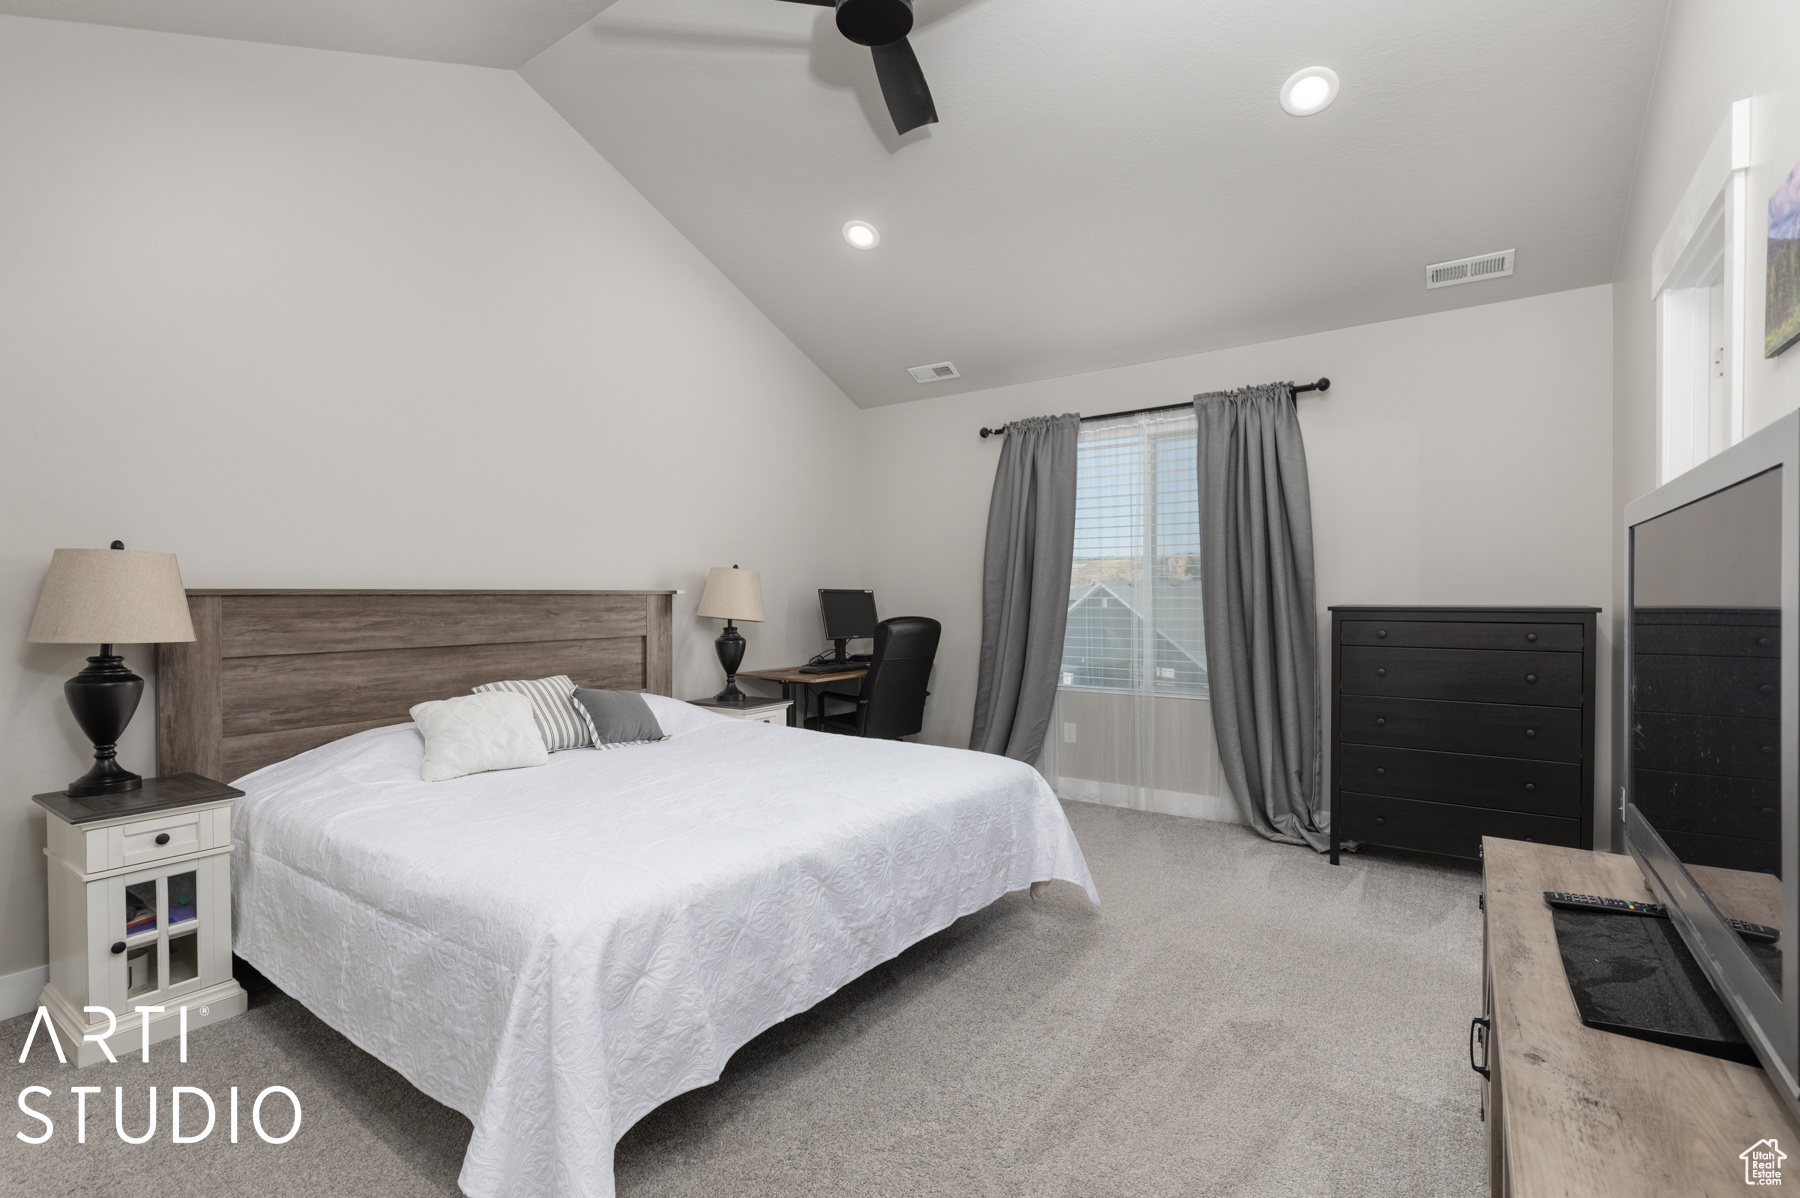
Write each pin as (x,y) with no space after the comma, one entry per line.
(1781,314)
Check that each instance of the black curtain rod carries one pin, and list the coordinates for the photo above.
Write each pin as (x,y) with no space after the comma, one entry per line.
(1293,390)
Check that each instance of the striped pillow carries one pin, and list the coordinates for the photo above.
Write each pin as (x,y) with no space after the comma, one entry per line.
(564,723)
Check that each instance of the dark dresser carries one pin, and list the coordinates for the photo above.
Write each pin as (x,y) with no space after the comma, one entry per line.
(1454,723)
(1706,733)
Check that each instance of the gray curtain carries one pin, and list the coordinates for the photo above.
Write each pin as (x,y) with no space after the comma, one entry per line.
(1025,585)
(1262,632)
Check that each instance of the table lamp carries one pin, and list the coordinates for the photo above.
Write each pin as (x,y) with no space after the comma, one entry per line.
(732,594)
(109,597)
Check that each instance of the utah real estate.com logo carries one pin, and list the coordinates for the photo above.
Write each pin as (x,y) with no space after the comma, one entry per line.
(1762,1163)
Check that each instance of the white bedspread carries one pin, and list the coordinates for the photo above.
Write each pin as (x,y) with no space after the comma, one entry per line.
(556,951)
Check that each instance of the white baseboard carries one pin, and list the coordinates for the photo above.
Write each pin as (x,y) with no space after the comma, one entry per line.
(1221,809)
(19,991)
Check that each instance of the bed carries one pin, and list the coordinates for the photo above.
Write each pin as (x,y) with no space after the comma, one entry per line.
(556,951)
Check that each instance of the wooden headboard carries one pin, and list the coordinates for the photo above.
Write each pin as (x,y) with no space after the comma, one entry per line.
(274,673)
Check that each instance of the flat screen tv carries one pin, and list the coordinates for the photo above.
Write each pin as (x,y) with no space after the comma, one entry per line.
(1712,690)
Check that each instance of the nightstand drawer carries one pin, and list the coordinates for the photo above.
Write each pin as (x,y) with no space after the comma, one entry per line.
(155,839)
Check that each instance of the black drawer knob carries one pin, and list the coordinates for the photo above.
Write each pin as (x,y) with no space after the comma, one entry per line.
(1380,819)
(1382,633)
(1530,786)
(118,947)
(1768,748)
(162,838)
(1530,733)
(1380,722)
(1528,838)
(1380,771)
(1381,672)
(1531,677)
(1768,811)
(1762,640)
(1532,637)
(1765,688)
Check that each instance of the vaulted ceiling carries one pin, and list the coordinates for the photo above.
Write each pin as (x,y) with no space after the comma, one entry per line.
(1107,184)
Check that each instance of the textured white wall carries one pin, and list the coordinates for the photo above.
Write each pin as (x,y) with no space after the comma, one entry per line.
(1460,458)
(313,319)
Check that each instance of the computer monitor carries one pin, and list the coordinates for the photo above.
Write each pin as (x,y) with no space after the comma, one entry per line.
(848,616)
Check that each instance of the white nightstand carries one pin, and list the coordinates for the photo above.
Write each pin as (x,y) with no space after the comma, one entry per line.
(763,711)
(140,912)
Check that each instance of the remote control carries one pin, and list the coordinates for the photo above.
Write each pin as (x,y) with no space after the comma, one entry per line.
(1594,902)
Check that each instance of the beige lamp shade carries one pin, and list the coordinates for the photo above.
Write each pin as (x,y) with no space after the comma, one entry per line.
(732,594)
(111,597)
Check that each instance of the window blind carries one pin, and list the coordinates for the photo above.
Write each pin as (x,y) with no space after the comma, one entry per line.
(1134,591)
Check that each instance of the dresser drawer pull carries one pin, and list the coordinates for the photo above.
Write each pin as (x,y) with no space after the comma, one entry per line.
(1762,640)
(1531,677)
(1478,1034)
(1381,672)
(162,838)
(1380,722)
(1381,819)
(1382,633)
(1530,733)
(1768,811)
(1768,748)
(1380,771)
(118,947)
(1532,839)
(1765,688)
(1530,786)
(1532,637)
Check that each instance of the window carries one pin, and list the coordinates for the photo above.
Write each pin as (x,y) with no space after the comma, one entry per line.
(1134,593)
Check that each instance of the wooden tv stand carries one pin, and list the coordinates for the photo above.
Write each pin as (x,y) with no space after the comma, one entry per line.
(1579,1113)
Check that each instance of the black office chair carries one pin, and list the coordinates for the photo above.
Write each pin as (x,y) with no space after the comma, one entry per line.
(891,703)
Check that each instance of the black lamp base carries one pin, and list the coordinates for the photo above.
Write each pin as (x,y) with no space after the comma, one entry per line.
(103,698)
(731,655)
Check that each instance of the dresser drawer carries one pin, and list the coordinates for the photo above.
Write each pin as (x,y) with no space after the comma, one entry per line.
(1465,675)
(1489,729)
(1710,806)
(1749,687)
(1443,827)
(1458,634)
(1726,852)
(1707,744)
(1707,640)
(1506,783)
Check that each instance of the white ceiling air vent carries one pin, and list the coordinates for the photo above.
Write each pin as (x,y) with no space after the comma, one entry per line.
(1469,270)
(937,372)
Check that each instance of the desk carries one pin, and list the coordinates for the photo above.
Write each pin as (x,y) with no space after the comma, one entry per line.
(1575,1112)
(794,684)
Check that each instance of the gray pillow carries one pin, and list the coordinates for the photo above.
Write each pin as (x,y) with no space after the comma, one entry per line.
(620,718)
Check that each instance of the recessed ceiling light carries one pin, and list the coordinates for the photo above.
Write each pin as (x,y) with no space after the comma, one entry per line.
(1309,91)
(862,235)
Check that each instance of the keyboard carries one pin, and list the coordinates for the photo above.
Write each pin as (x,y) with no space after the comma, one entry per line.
(833,667)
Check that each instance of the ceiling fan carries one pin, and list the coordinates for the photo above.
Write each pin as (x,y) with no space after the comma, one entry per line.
(882,25)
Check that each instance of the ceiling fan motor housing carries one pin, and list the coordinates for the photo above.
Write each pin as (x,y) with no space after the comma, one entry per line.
(874,22)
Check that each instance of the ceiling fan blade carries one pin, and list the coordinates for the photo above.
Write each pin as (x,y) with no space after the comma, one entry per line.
(903,86)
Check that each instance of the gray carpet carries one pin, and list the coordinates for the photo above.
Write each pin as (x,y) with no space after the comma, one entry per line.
(1241,1019)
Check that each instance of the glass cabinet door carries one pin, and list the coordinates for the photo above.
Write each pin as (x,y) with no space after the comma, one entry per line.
(162,917)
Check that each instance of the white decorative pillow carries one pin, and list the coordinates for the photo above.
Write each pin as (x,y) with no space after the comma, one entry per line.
(471,734)
(563,722)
